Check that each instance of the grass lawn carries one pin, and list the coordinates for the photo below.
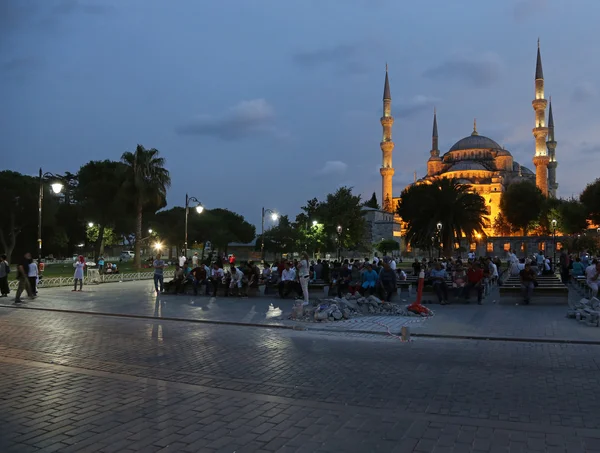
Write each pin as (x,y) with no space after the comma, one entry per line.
(66,269)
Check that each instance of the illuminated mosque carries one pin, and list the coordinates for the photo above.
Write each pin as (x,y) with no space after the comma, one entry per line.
(478,160)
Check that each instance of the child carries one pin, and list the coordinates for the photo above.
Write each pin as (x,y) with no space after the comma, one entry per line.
(79,265)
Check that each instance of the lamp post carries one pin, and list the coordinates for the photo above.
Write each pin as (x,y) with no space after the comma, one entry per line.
(56,186)
(199,209)
(339,230)
(439,233)
(274,217)
(554,222)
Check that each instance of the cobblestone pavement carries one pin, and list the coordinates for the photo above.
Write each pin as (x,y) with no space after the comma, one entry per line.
(85,383)
(536,322)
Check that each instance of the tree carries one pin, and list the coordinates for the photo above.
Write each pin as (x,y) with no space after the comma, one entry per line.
(460,211)
(147,181)
(590,198)
(502,227)
(281,238)
(344,209)
(18,205)
(521,204)
(387,245)
(372,202)
(101,196)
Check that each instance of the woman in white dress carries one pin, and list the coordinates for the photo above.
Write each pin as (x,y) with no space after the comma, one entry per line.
(79,265)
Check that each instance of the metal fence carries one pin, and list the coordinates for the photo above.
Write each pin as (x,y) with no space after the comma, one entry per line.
(91,278)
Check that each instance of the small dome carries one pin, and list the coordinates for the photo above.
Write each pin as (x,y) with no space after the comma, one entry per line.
(466,165)
(475,142)
(503,152)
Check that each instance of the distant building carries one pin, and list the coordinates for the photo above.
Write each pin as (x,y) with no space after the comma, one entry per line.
(380,225)
(477,160)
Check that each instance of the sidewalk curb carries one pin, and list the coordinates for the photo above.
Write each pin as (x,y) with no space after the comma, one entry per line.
(154,318)
(314,329)
(466,337)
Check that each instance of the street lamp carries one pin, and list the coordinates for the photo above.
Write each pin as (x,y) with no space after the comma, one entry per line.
(339,230)
(274,217)
(554,222)
(150,230)
(315,223)
(56,187)
(90,224)
(199,209)
(439,232)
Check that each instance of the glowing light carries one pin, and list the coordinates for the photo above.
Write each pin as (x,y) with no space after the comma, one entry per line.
(274,217)
(315,223)
(554,222)
(91,224)
(199,209)
(439,226)
(56,187)
(150,230)
(158,246)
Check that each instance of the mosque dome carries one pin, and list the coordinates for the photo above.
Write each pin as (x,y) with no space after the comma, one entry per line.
(475,141)
(466,165)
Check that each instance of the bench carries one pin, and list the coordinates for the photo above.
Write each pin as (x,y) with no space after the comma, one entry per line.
(549,290)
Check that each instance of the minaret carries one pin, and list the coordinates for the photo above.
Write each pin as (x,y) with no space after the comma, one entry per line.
(387,147)
(551,145)
(434,164)
(540,131)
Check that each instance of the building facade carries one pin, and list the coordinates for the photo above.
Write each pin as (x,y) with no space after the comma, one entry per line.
(479,161)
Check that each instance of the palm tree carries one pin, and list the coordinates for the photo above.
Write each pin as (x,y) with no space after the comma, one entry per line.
(460,211)
(147,181)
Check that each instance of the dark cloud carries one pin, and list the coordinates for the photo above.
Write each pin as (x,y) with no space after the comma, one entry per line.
(584,92)
(345,58)
(247,118)
(479,70)
(527,9)
(415,105)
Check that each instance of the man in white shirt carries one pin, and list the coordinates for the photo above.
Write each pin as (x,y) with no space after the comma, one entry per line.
(393,264)
(237,281)
(195,260)
(288,281)
(592,272)
(216,277)
(182,260)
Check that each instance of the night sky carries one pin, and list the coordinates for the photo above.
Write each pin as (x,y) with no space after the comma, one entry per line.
(272,102)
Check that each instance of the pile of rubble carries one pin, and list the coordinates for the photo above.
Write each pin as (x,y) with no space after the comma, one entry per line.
(336,309)
(587,311)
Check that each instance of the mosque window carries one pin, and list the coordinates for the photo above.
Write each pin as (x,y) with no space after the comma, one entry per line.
(490,247)
(408,248)
(456,245)
(473,246)
(506,246)
(558,246)
(542,246)
(522,248)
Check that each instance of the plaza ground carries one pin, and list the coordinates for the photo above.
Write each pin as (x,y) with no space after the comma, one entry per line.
(83,382)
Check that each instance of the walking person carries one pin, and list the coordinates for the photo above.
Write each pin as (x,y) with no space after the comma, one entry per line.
(304,276)
(159,266)
(4,271)
(79,265)
(32,275)
(22,276)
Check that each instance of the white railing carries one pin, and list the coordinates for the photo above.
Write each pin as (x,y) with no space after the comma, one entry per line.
(49,282)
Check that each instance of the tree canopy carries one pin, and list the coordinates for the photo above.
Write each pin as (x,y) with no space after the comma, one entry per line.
(521,204)
(460,211)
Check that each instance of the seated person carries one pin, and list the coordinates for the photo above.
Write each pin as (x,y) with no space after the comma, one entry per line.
(578,269)
(254,275)
(215,279)
(528,278)
(474,281)
(438,281)
(266,273)
(198,275)
(386,283)
(369,280)
(401,275)
(237,281)
(459,279)
(177,283)
(288,281)
(344,279)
